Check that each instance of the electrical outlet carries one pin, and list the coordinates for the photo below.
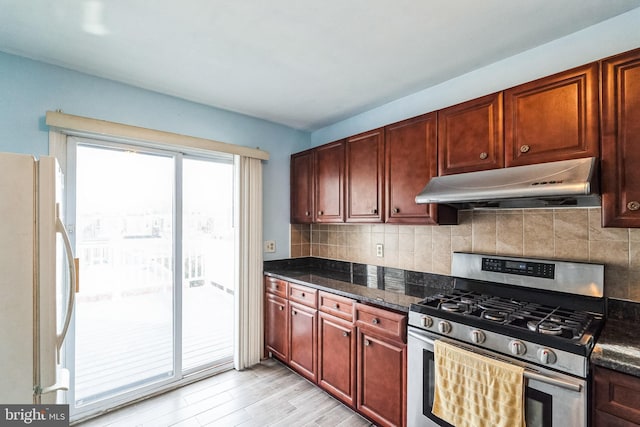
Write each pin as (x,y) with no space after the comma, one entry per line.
(379,250)
(269,245)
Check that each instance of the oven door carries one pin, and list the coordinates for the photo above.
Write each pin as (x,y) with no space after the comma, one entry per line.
(552,399)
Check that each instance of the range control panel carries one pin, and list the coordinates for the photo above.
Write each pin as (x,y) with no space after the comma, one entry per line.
(522,268)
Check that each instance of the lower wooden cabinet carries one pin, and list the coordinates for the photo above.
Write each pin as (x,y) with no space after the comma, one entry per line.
(276,328)
(303,340)
(382,365)
(616,398)
(337,357)
(355,352)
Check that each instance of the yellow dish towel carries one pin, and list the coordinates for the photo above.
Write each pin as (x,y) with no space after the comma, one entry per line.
(476,391)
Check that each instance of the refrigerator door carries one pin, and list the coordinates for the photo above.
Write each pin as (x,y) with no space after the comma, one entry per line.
(18,278)
(56,285)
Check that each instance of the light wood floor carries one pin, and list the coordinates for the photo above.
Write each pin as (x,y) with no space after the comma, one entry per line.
(268,394)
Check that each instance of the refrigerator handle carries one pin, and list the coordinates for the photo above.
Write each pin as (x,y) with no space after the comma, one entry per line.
(72,281)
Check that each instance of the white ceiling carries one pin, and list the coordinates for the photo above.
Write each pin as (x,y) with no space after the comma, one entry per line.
(305,64)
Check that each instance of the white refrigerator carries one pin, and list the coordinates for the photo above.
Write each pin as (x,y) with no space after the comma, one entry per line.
(37,281)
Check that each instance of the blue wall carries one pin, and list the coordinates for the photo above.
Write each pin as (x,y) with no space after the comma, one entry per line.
(29,88)
(618,34)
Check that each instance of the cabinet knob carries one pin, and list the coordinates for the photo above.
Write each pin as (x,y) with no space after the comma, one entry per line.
(336,306)
(374,211)
(633,205)
(320,213)
(375,321)
(524,148)
(367,343)
(293,312)
(280,308)
(483,155)
(303,295)
(306,213)
(396,210)
(345,334)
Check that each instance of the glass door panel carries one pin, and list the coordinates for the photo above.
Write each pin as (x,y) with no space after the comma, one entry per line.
(124,239)
(207,263)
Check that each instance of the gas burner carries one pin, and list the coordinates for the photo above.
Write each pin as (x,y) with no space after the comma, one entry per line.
(450,306)
(548,328)
(494,315)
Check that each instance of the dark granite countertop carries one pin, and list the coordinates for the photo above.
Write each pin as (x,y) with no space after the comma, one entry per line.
(383,286)
(618,347)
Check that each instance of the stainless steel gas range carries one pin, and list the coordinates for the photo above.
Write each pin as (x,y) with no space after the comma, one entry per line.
(543,315)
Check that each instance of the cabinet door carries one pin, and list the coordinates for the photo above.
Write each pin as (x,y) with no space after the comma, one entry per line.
(621,140)
(337,358)
(470,136)
(364,176)
(554,118)
(329,183)
(381,379)
(616,398)
(302,187)
(410,162)
(302,344)
(276,328)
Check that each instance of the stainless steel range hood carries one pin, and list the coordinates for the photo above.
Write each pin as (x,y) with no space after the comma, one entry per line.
(568,183)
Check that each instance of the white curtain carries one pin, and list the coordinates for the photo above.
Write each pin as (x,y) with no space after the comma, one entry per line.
(249,300)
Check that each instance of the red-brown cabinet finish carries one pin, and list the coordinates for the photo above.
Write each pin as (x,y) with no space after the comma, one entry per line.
(616,398)
(303,340)
(470,136)
(553,118)
(329,182)
(621,140)
(381,379)
(276,328)
(410,162)
(302,187)
(365,176)
(337,357)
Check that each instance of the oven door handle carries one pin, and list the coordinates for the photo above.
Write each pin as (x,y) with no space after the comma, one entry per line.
(528,374)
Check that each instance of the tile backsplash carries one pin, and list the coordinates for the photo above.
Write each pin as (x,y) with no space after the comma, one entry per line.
(570,234)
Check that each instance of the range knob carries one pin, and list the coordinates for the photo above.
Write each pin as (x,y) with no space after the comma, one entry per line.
(477,337)
(444,327)
(517,348)
(546,356)
(427,322)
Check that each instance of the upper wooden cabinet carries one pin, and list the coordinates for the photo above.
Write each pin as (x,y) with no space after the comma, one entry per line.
(621,140)
(365,176)
(410,162)
(553,118)
(329,182)
(470,136)
(302,187)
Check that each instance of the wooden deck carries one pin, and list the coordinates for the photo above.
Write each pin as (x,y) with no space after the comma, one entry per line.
(134,346)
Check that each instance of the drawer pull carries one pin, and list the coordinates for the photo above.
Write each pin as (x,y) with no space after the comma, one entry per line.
(375,321)
(367,343)
(293,312)
(633,206)
(524,148)
(319,213)
(336,306)
(306,213)
(280,308)
(483,155)
(345,334)
(374,211)
(303,295)
(396,210)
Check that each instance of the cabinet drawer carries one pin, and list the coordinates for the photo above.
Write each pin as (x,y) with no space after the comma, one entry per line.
(336,305)
(385,322)
(276,286)
(303,295)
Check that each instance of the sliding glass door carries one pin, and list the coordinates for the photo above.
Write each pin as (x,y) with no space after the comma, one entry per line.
(155,238)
